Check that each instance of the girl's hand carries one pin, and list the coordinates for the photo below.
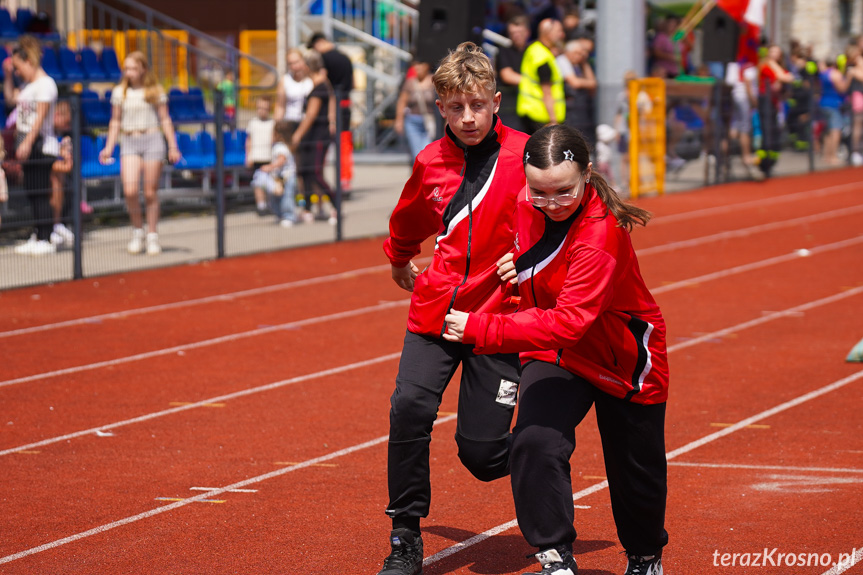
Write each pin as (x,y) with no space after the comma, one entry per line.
(174,155)
(105,157)
(455,324)
(506,269)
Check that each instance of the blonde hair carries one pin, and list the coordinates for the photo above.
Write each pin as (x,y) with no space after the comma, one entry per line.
(465,70)
(29,50)
(152,90)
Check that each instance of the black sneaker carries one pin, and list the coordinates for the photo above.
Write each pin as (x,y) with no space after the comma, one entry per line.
(407,554)
(556,561)
(644,565)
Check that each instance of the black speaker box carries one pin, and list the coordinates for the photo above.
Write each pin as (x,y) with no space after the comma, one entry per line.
(720,33)
(444,24)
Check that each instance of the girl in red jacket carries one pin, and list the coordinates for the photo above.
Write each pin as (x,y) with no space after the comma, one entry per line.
(589,333)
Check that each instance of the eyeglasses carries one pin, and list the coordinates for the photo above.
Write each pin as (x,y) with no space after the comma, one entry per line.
(561,200)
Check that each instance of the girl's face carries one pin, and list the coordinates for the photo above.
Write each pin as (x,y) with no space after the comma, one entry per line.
(23,68)
(564,183)
(133,71)
(297,66)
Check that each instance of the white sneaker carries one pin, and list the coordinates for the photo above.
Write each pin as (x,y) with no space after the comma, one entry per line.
(153,247)
(308,217)
(136,244)
(34,247)
(857,159)
(57,239)
(287,223)
(64,233)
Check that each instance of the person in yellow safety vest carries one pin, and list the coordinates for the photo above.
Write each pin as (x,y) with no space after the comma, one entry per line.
(541,97)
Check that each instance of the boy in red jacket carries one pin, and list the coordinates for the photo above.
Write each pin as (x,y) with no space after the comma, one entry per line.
(463,190)
(589,333)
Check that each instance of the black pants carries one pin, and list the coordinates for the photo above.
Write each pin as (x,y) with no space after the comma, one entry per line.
(37,183)
(485,407)
(552,402)
(310,169)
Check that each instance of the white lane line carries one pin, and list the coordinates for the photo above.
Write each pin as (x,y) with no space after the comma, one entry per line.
(206,495)
(341,315)
(746,232)
(754,266)
(203,403)
(200,301)
(208,342)
(846,564)
(769,202)
(375,269)
(670,455)
(765,467)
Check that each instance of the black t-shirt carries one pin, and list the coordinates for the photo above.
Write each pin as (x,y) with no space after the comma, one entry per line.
(509,58)
(320,128)
(340,72)
(544,74)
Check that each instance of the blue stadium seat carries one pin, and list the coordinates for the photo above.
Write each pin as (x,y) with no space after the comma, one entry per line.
(202,152)
(51,65)
(197,108)
(73,71)
(90,165)
(90,63)
(110,65)
(97,112)
(235,148)
(7,27)
(23,17)
(178,106)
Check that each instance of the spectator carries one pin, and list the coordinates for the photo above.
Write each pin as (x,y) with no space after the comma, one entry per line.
(572,24)
(798,117)
(621,126)
(580,87)
(35,145)
(139,109)
(292,91)
(340,73)
(662,51)
(276,178)
(259,141)
(772,78)
(833,88)
(61,235)
(311,140)
(541,98)
(509,68)
(416,112)
(228,88)
(854,72)
(743,80)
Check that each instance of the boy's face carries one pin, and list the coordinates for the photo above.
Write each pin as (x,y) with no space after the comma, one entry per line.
(469,116)
(263,109)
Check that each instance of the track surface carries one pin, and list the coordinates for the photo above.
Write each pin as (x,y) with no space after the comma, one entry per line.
(231,416)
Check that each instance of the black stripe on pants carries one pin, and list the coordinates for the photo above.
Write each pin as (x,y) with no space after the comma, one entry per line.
(483,431)
(552,403)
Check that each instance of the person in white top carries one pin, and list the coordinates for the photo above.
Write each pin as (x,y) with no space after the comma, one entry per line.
(292,91)
(139,110)
(259,141)
(35,145)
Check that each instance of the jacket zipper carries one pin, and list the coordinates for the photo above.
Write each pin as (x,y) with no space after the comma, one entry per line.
(469,237)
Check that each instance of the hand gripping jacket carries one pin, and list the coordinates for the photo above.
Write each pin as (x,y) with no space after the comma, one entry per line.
(584,305)
(467,197)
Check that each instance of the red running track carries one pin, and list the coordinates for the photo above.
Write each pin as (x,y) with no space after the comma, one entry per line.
(231,416)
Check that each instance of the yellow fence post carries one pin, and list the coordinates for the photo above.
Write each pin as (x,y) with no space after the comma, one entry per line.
(647,136)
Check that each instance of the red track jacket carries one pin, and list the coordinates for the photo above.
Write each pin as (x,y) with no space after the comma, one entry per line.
(467,196)
(584,305)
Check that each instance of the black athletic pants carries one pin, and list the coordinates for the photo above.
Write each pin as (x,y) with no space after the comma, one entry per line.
(486,403)
(37,183)
(552,402)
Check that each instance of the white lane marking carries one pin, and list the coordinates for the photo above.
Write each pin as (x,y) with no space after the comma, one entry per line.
(766,467)
(207,342)
(745,232)
(203,496)
(200,301)
(754,266)
(769,202)
(685,449)
(375,269)
(846,563)
(203,403)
